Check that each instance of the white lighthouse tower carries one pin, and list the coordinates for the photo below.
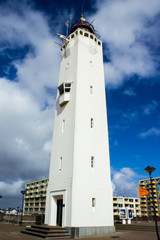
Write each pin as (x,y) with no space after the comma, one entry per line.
(79,195)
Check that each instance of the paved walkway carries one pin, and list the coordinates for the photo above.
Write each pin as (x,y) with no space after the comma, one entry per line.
(12,232)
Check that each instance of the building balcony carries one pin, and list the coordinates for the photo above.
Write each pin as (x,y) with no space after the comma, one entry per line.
(115,207)
(143,197)
(156,205)
(141,184)
(153,186)
(144,214)
(151,200)
(115,201)
(64,98)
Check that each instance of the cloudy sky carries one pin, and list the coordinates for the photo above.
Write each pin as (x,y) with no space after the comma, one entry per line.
(29,69)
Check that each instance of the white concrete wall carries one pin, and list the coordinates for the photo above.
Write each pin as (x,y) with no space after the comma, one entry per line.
(82,64)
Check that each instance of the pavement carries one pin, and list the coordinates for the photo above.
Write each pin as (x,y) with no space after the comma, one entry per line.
(9,231)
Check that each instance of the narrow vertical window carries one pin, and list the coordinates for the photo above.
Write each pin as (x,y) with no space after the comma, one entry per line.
(63,125)
(91,89)
(91,122)
(60,164)
(93,202)
(92,162)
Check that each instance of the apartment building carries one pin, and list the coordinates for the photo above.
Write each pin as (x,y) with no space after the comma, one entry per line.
(35,200)
(146,202)
(35,197)
(126,202)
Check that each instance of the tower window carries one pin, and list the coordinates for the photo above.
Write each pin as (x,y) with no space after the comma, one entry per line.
(72,36)
(91,122)
(60,164)
(93,202)
(81,32)
(95,39)
(63,125)
(92,161)
(76,32)
(99,43)
(91,36)
(64,87)
(91,89)
(86,34)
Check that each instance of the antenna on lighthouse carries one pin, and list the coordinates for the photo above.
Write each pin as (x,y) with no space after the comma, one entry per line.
(67,25)
(70,18)
(91,22)
(82,17)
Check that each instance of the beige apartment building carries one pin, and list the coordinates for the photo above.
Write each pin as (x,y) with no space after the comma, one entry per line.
(35,200)
(126,202)
(146,202)
(35,197)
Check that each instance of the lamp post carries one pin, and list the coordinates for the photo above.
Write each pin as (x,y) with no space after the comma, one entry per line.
(150,169)
(17,215)
(23,193)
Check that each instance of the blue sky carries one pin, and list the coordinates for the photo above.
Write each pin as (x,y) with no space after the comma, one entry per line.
(29,69)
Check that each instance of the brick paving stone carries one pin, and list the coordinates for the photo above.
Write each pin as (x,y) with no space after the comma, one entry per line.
(12,232)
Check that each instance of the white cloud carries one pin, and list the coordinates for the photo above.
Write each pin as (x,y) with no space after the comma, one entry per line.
(124,182)
(116,143)
(39,69)
(124,27)
(148,109)
(25,133)
(11,189)
(129,92)
(149,132)
(27,104)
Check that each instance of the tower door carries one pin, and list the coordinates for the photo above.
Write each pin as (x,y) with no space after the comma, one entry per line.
(59,212)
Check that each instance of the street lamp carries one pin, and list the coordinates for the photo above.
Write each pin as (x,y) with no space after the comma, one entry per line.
(23,193)
(17,215)
(150,169)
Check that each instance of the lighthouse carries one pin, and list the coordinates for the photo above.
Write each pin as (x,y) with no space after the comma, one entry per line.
(79,194)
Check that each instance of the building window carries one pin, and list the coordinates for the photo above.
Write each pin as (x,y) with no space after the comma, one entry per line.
(86,34)
(91,89)
(91,122)
(63,125)
(93,202)
(60,164)
(92,161)
(81,32)
(120,205)
(99,43)
(72,36)
(64,87)
(91,36)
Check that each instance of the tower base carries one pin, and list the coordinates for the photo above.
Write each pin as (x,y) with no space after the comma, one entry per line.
(77,232)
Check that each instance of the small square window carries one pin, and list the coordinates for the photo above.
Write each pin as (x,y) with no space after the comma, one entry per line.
(92,161)
(91,89)
(93,202)
(63,125)
(91,122)
(60,164)
(86,34)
